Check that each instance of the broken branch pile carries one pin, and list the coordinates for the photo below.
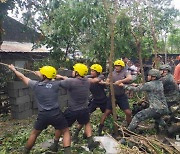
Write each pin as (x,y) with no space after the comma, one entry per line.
(144,144)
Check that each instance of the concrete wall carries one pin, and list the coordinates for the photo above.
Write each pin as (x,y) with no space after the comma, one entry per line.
(22,100)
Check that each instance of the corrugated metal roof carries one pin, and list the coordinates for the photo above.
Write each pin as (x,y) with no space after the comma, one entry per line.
(8,46)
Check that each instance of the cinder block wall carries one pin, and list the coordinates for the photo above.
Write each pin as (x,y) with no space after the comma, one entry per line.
(22,100)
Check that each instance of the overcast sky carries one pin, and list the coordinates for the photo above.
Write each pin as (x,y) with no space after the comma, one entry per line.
(175,3)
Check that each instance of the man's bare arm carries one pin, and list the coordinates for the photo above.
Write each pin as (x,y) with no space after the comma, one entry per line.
(19,74)
(125,80)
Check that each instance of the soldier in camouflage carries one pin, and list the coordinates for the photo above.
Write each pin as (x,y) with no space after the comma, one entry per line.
(170,87)
(157,102)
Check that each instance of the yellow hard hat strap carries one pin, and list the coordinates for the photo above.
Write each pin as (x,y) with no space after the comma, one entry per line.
(77,74)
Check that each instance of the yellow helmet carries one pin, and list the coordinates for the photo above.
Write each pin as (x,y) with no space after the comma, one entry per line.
(119,63)
(48,71)
(81,69)
(97,68)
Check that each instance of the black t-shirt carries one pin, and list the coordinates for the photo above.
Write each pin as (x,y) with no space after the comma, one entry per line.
(78,91)
(97,90)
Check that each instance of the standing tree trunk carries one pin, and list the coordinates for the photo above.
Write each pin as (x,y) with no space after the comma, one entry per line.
(111,58)
(138,39)
(165,51)
(154,41)
(139,51)
(111,80)
(1,32)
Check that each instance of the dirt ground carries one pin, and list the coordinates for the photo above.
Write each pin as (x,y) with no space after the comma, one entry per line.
(7,124)
(18,131)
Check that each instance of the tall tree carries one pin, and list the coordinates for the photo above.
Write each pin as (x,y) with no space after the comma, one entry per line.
(81,25)
(174,41)
(112,18)
(161,18)
(72,25)
(5,5)
(149,19)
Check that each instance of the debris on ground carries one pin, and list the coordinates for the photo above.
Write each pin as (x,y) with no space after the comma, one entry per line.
(108,143)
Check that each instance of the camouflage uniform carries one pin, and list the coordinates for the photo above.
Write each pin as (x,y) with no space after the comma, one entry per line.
(170,90)
(157,103)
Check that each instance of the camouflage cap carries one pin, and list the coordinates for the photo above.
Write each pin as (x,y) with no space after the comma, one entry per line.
(165,67)
(155,73)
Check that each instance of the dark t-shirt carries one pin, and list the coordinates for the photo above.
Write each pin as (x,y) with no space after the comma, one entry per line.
(78,91)
(97,90)
(119,76)
(46,94)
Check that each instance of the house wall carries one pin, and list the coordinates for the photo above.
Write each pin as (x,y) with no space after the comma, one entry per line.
(20,59)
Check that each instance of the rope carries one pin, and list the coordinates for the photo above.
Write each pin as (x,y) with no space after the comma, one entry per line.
(18,68)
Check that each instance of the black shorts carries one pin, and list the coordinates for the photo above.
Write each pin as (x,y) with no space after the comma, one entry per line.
(82,116)
(45,118)
(121,101)
(97,104)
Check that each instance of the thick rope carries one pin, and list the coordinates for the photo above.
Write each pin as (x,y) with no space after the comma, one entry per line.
(18,68)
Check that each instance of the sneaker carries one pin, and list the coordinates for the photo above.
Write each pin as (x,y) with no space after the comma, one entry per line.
(93,145)
(53,147)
